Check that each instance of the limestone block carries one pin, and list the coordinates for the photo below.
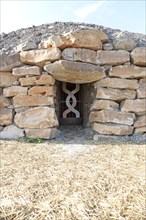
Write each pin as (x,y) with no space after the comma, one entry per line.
(4,102)
(8,62)
(7,79)
(14,91)
(137,106)
(38,117)
(124,43)
(90,39)
(104,104)
(112,116)
(78,54)
(141,92)
(140,121)
(112,129)
(138,56)
(128,71)
(11,132)
(26,71)
(40,57)
(115,94)
(45,133)
(37,80)
(20,101)
(112,57)
(42,91)
(75,72)
(140,130)
(117,83)
(6,116)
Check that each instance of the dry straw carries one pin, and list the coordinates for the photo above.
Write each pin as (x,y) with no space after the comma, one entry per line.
(69,182)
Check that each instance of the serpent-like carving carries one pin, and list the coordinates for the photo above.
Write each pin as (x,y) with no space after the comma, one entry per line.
(71,106)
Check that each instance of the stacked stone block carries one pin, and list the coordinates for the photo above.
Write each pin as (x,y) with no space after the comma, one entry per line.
(117,71)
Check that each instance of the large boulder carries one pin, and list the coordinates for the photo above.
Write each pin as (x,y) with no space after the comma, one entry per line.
(112,129)
(26,100)
(78,54)
(112,116)
(112,57)
(128,71)
(40,57)
(26,71)
(7,79)
(75,72)
(8,62)
(137,106)
(11,132)
(45,133)
(38,117)
(117,83)
(115,94)
(138,56)
(14,91)
(91,39)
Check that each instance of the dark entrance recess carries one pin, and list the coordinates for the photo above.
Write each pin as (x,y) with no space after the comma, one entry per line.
(71,104)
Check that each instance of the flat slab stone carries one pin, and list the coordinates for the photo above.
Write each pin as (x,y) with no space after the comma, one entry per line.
(38,117)
(42,91)
(75,72)
(112,129)
(44,79)
(104,104)
(45,133)
(14,91)
(137,106)
(26,71)
(112,116)
(129,72)
(7,79)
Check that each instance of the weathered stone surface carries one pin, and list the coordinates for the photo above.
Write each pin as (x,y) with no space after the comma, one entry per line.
(117,83)
(46,133)
(115,94)
(112,129)
(26,71)
(75,72)
(42,91)
(4,102)
(91,39)
(128,71)
(141,92)
(8,62)
(1,91)
(138,56)
(39,117)
(112,57)
(14,90)
(7,79)
(38,80)
(11,132)
(27,45)
(1,128)
(140,130)
(137,106)
(103,137)
(40,57)
(6,116)
(112,116)
(107,46)
(20,101)
(77,54)
(104,104)
(140,121)
(124,43)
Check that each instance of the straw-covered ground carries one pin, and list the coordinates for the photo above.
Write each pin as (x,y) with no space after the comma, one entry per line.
(49,181)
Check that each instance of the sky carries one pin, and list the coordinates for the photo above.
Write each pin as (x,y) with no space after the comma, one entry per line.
(127,15)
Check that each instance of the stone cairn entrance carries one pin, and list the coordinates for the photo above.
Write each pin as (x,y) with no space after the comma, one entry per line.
(77,78)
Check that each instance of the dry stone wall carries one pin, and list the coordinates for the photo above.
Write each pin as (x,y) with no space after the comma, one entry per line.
(117,70)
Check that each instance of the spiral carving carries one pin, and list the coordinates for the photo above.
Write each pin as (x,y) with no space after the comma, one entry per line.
(71,106)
